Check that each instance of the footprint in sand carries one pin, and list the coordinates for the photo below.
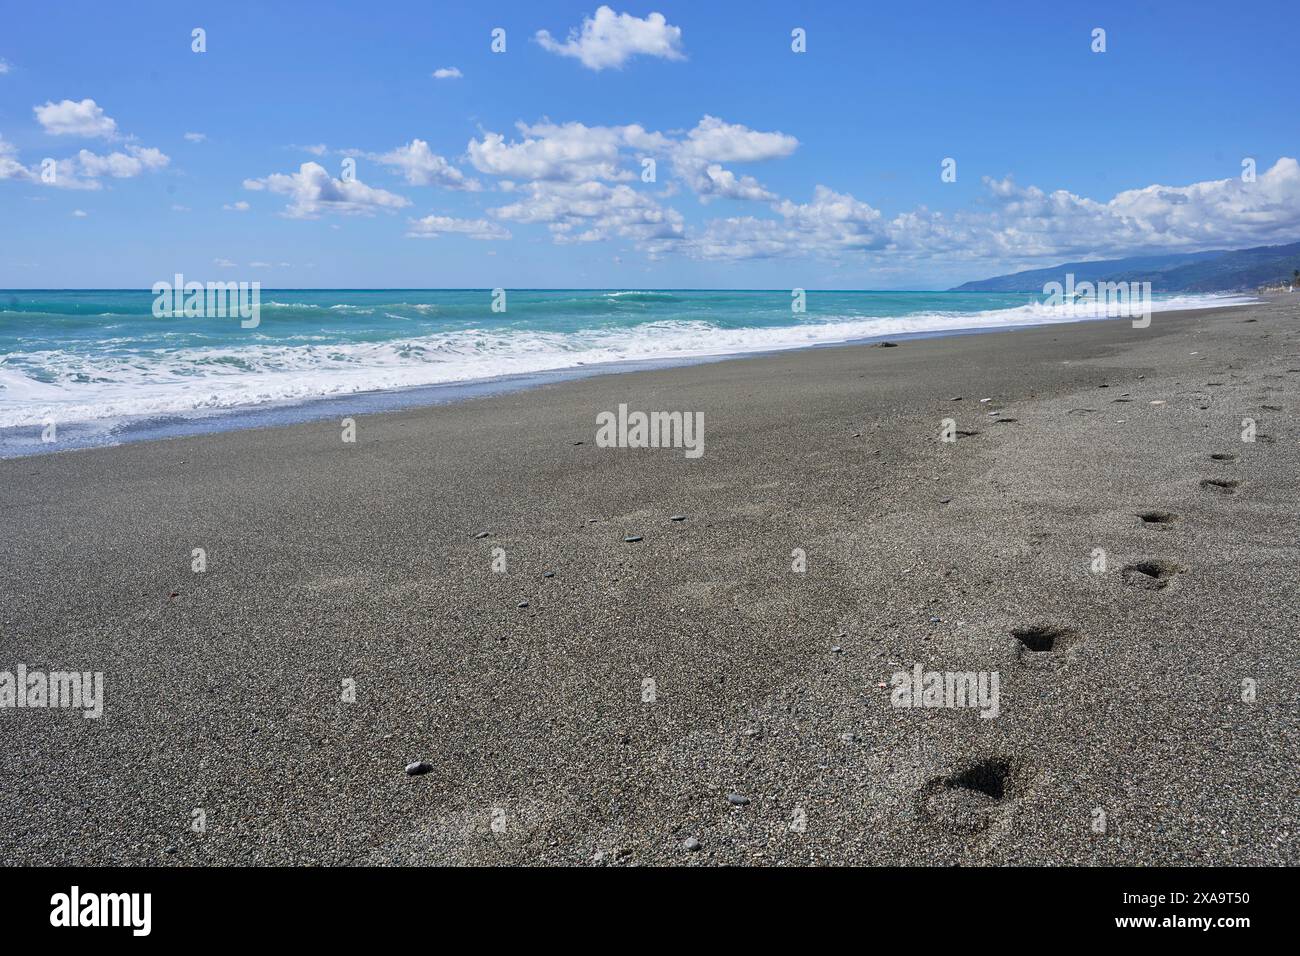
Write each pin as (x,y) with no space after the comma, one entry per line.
(966,802)
(1041,642)
(1151,574)
(1157,517)
(1221,486)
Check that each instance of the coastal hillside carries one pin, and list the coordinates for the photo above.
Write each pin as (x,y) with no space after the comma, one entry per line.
(1216,271)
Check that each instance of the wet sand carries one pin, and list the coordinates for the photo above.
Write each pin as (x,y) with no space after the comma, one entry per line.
(1124,738)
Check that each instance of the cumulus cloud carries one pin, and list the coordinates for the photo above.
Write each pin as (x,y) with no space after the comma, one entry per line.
(608,39)
(561,152)
(447,73)
(423,167)
(84,170)
(1215,212)
(136,160)
(240,206)
(313,191)
(10,168)
(196,137)
(431,227)
(4,67)
(716,140)
(1021,223)
(593,211)
(698,158)
(70,118)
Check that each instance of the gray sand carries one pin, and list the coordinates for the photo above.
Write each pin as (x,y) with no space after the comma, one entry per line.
(329,561)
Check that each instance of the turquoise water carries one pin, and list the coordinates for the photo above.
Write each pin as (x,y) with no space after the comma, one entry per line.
(102,357)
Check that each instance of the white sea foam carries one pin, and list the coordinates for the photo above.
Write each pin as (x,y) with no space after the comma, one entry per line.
(95,386)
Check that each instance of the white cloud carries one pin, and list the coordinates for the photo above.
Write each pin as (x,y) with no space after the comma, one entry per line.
(240,206)
(313,191)
(80,213)
(422,167)
(593,211)
(196,137)
(574,152)
(133,162)
(259,265)
(10,168)
(85,169)
(4,67)
(715,140)
(569,152)
(713,181)
(1021,224)
(609,39)
(224,264)
(1200,215)
(431,227)
(698,158)
(316,149)
(447,73)
(68,118)
(179,208)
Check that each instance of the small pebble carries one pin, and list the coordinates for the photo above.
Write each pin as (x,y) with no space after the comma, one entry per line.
(677,518)
(549,574)
(417,768)
(632,537)
(737,799)
(523,604)
(691,845)
(481,534)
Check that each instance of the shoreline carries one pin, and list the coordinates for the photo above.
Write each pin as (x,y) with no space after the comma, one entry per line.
(373,562)
(25,441)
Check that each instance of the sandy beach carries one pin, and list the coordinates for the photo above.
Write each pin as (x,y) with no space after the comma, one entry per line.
(688,697)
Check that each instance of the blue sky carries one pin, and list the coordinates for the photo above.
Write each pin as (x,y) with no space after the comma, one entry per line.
(774,169)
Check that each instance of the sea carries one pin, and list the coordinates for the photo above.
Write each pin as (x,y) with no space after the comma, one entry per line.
(81,368)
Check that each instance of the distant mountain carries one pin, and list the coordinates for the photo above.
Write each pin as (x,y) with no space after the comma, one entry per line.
(1222,270)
